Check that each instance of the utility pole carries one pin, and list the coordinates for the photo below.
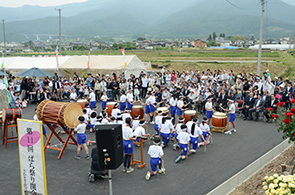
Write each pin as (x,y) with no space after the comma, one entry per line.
(59,11)
(4,38)
(261,36)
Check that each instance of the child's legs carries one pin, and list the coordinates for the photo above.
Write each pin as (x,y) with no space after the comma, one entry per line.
(229,125)
(234,125)
(79,149)
(86,148)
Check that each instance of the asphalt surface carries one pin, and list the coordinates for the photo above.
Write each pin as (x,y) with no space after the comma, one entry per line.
(199,174)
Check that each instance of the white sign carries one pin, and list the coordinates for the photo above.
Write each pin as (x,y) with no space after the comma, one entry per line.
(31,157)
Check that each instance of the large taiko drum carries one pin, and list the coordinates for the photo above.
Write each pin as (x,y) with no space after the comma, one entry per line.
(11,114)
(163,109)
(219,120)
(82,102)
(137,110)
(188,114)
(52,112)
(110,106)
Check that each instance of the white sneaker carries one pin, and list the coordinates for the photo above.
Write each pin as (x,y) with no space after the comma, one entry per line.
(228,132)
(130,170)
(208,142)
(152,122)
(174,147)
(124,169)
(161,170)
(234,130)
(193,151)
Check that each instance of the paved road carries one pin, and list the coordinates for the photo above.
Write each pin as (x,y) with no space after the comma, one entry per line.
(199,174)
(219,61)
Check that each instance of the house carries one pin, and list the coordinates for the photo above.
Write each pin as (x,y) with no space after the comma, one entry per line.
(239,43)
(199,43)
(225,43)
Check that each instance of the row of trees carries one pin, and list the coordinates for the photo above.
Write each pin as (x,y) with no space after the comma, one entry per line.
(214,35)
(126,46)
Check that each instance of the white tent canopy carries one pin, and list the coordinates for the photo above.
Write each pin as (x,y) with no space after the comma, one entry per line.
(103,64)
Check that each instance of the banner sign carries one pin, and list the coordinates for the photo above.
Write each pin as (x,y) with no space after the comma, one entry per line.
(31,157)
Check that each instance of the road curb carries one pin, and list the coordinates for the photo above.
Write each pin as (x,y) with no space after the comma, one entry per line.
(229,185)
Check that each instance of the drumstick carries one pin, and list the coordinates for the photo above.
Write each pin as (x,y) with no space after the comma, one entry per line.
(205,147)
(164,171)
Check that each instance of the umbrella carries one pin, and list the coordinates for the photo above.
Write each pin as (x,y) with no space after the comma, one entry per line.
(35,72)
(2,73)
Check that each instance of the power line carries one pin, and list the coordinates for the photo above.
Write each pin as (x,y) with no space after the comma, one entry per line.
(234,5)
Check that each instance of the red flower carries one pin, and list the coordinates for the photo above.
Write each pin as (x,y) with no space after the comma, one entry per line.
(292,110)
(289,114)
(292,101)
(274,116)
(287,120)
(269,109)
(280,104)
(294,134)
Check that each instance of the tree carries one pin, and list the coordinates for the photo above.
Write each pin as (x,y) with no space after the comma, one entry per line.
(221,35)
(140,39)
(210,38)
(214,36)
(252,38)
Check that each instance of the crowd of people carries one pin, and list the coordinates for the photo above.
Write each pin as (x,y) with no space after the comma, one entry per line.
(203,91)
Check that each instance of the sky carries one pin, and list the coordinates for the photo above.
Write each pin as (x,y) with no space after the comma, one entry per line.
(19,3)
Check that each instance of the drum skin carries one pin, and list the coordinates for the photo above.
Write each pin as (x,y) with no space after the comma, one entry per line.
(188,114)
(163,109)
(110,106)
(82,103)
(219,120)
(66,113)
(11,114)
(137,110)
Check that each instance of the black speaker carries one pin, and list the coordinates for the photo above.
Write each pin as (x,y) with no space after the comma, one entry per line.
(109,143)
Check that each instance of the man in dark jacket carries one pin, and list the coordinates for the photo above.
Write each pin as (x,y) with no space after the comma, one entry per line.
(248,104)
(93,170)
(272,104)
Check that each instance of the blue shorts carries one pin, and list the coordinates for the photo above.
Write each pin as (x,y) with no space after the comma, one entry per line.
(92,104)
(90,125)
(208,114)
(184,148)
(81,138)
(172,110)
(147,109)
(205,135)
(194,141)
(154,163)
(156,127)
(166,137)
(176,134)
(73,100)
(103,104)
(152,108)
(129,105)
(179,112)
(122,106)
(44,130)
(172,134)
(128,146)
(232,117)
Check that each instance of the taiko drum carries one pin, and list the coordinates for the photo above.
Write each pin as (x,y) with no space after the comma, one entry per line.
(11,114)
(82,103)
(219,120)
(163,109)
(188,114)
(137,110)
(66,113)
(110,106)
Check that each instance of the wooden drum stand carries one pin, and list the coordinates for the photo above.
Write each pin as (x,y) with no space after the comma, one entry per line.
(134,162)
(59,114)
